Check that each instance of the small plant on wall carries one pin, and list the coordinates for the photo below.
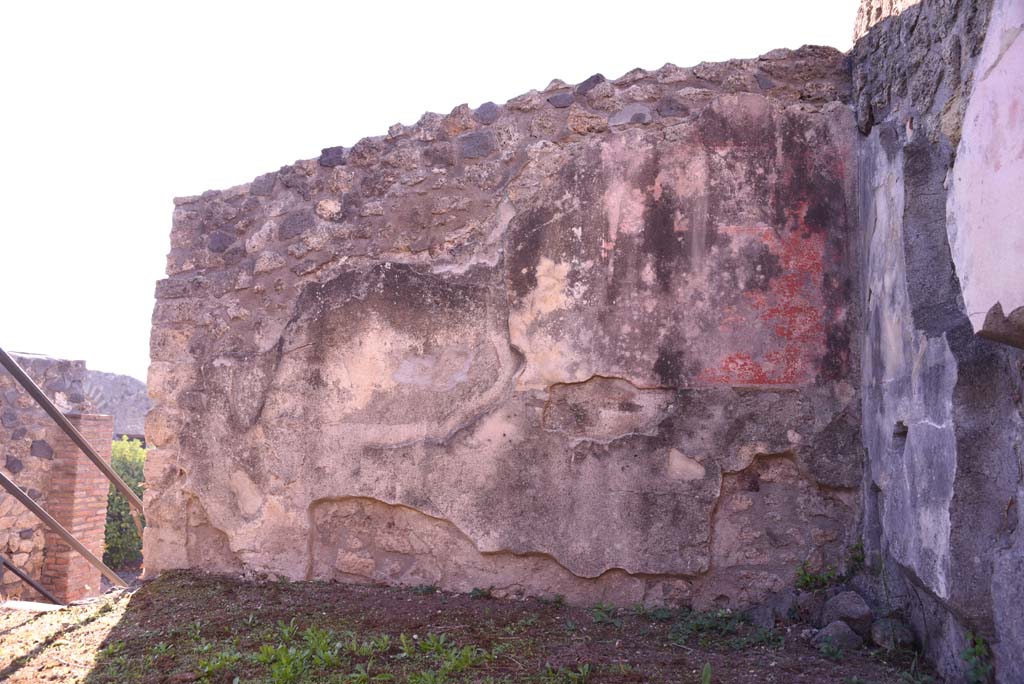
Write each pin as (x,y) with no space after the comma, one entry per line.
(122,544)
(978,659)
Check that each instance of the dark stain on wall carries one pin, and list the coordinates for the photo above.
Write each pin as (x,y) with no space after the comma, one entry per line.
(526,240)
(660,239)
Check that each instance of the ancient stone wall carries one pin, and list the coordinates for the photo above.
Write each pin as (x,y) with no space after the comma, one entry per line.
(27,445)
(606,340)
(941,213)
(870,12)
(600,341)
(986,221)
(120,396)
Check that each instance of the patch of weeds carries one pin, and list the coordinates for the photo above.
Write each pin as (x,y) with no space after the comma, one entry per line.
(605,614)
(424,589)
(287,631)
(479,593)
(855,559)
(367,647)
(406,646)
(266,655)
(116,664)
(119,669)
(160,649)
(644,631)
(320,650)
(570,626)
(436,644)
(660,614)
(705,674)
(768,638)
(657,614)
(428,677)
(110,650)
(831,651)
(890,657)
(447,656)
(322,647)
(978,659)
(362,675)
(557,600)
(287,664)
(497,650)
(222,661)
(461,659)
(809,580)
(914,675)
(380,643)
(580,675)
(195,630)
(720,623)
(520,625)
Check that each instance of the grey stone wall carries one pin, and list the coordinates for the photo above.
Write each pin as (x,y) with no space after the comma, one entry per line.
(27,439)
(942,413)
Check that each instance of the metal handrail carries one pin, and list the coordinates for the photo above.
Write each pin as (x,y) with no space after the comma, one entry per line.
(82,443)
(44,401)
(51,522)
(27,579)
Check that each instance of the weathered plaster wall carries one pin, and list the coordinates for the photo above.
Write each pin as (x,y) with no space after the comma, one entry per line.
(27,442)
(599,341)
(986,211)
(943,423)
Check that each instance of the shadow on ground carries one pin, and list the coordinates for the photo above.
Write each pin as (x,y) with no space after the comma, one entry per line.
(186,627)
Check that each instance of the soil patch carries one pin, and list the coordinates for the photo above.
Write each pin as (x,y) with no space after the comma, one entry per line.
(185,627)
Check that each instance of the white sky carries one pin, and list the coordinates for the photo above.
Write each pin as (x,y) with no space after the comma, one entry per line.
(110,109)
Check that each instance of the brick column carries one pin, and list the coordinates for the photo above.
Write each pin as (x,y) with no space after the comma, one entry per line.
(77,497)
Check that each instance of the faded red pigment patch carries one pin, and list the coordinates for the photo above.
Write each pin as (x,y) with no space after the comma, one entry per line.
(780,331)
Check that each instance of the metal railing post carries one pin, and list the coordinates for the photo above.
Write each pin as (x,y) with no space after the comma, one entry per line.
(44,401)
(28,580)
(51,522)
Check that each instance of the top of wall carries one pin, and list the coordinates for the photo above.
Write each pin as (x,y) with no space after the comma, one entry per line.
(210,229)
(871,12)
(75,389)
(120,396)
(60,379)
(441,193)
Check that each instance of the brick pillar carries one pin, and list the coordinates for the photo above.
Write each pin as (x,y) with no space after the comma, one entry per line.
(77,497)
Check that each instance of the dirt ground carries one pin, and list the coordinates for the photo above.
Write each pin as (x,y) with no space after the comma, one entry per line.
(185,627)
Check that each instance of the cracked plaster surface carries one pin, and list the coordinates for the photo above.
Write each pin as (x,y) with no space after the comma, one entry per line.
(553,351)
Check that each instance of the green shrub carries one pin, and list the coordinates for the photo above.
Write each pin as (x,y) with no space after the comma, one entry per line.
(123,545)
(808,580)
(978,659)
